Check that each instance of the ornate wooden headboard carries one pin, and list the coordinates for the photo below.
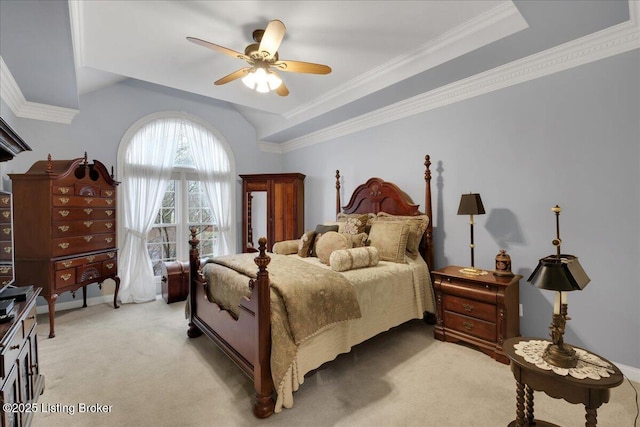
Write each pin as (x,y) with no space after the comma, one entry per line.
(377,195)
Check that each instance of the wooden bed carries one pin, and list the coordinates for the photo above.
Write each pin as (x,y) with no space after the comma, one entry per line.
(246,337)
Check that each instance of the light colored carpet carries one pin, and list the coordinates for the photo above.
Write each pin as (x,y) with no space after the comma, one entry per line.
(139,361)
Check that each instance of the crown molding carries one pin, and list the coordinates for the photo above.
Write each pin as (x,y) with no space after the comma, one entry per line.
(593,47)
(499,22)
(11,94)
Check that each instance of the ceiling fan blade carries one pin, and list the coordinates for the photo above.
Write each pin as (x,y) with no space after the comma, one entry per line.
(272,37)
(302,67)
(282,90)
(218,48)
(233,76)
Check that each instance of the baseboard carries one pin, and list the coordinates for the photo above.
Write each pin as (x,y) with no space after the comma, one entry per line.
(69,305)
(630,372)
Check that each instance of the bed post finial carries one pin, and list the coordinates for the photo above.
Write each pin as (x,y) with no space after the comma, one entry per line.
(337,192)
(428,211)
(263,404)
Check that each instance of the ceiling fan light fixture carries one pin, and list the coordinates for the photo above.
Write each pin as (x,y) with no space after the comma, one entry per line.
(261,80)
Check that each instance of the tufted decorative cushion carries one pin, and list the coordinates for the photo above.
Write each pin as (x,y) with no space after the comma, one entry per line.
(305,243)
(329,242)
(320,230)
(354,223)
(357,240)
(417,226)
(350,259)
(286,247)
(390,238)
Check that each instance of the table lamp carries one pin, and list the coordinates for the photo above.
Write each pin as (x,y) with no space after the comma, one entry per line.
(471,204)
(561,273)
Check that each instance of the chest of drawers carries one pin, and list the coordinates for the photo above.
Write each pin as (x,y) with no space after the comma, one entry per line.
(65,228)
(479,310)
(20,380)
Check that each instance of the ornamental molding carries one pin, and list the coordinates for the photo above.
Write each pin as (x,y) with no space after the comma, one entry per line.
(593,47)
(11,94)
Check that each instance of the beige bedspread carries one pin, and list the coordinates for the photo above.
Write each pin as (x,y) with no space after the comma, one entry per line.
(305,299)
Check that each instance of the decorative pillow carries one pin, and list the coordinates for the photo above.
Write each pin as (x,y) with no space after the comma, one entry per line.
(305,243)
(329,242)
(390,238)
(320,230)
(339,224)
(350,259)
(355,224)
(357,240)
(286,247)
(342,217)
(417,226)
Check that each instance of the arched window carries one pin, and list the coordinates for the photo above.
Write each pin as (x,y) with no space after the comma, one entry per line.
(176,173)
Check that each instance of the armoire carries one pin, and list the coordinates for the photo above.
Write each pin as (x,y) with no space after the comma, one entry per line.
(281,210)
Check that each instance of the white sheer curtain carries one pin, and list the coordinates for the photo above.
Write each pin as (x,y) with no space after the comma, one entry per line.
(215,172)
(147,171)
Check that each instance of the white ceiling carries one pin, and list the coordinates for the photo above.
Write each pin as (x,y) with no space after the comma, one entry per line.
(368,44)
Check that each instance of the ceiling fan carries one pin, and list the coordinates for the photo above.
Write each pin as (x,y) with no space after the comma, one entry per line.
(262,57)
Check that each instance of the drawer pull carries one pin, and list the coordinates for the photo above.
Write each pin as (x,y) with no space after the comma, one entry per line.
(5,270)
(5,200)
(87,238)
(7,249)
(111,254)
(64,213)
(468,307)
(63,245)
(88,200)
(109,213)
(64,190)
(91,258)
(108,239)
(109,224)
(63,200)
(31,317)
(67,264)
(14,347)
(109,265)
(109,193)
(66,277)
(109,201)
(63,228)
(88,211)
(467,325)
(6,230)
(88,223)
(6,214)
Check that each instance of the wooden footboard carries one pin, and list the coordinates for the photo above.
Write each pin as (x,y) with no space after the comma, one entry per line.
(247,339)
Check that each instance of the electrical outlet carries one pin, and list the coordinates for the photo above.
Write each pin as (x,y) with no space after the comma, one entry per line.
(521,311)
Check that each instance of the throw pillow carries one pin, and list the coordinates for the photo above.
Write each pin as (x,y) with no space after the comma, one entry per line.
(320,230)
(350,259)
(390,238)
(329,242)
(306,241)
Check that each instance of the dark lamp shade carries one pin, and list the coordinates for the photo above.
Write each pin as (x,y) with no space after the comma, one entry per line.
(564,274)
(470,204)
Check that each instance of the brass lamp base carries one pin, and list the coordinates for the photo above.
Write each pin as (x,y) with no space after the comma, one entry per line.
(562,356)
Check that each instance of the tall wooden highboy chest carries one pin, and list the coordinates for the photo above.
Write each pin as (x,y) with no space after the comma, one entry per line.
(65,228)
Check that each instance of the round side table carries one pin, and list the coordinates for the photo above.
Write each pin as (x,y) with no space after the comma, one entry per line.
(591,393)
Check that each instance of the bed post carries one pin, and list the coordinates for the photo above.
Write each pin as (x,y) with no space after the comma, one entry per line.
(338,207)
(263,404)
(428,211)
(194,271)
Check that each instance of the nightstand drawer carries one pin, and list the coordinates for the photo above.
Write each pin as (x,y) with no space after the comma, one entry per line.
(470,326)
(470,307)
(477,291)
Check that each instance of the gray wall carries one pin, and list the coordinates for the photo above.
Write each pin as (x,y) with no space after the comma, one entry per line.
(571,139)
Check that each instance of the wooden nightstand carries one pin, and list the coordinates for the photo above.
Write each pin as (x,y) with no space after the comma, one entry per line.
(479,310)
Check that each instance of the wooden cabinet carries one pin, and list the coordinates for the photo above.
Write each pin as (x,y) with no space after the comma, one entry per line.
(20,378)
(479,310)
(284,208)
(65,228)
